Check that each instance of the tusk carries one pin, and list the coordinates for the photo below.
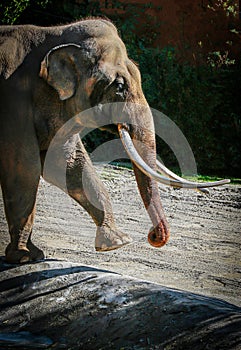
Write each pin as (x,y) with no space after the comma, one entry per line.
(139,162)
(167,172)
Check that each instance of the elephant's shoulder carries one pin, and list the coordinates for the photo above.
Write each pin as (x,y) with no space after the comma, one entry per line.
(15,43)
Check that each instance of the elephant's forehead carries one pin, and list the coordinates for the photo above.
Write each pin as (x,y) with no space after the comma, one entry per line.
(113,51)
(111,47)
(102,40)
(106,39)
(94,29)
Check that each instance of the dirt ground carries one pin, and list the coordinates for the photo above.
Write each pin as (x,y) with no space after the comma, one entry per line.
(202,256)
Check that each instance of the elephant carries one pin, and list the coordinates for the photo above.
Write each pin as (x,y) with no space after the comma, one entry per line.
(47,76)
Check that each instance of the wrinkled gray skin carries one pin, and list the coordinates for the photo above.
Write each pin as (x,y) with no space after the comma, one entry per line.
(48,75)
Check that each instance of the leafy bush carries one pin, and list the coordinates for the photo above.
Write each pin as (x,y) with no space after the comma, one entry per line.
(11,10)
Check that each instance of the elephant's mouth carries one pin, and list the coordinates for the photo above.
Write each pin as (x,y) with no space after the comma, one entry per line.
(111,128)
(169,177)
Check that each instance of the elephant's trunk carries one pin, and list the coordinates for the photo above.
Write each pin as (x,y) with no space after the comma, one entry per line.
(143,137)
(139,142)
(159,233)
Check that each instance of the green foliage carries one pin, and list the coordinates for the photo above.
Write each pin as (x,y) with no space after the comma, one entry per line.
(84,9)
(230,7)
(204,104)
(219,59)
(11,10)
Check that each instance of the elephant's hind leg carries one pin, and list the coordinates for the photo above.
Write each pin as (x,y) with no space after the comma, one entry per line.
(19,180)
(21,249)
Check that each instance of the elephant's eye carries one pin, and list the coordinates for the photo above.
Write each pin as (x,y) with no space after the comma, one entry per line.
(120,86)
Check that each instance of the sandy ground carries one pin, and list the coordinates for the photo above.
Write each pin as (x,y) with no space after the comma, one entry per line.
(202,256)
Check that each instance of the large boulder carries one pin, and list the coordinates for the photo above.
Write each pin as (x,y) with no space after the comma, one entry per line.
(60,305)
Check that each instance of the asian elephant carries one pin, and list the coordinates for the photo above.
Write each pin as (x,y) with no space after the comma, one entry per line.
(48,75)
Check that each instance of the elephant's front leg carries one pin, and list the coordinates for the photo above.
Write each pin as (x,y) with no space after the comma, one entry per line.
(88,190)
(85,186)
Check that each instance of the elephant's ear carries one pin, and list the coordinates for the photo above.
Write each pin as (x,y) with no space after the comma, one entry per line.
(16,43)
(60,71)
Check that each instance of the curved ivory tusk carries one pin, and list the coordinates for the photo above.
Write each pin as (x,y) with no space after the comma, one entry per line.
(167,172)
(139,162)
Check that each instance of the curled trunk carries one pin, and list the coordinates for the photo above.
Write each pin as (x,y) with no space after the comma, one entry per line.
(138,139)
(143,136)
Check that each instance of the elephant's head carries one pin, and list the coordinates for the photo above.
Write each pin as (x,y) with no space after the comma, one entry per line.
(98,71)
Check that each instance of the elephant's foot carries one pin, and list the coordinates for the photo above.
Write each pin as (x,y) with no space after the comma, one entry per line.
(35,252)
(24,255)
(109,239)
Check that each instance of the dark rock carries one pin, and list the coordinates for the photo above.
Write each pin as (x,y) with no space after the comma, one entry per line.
(57,304)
